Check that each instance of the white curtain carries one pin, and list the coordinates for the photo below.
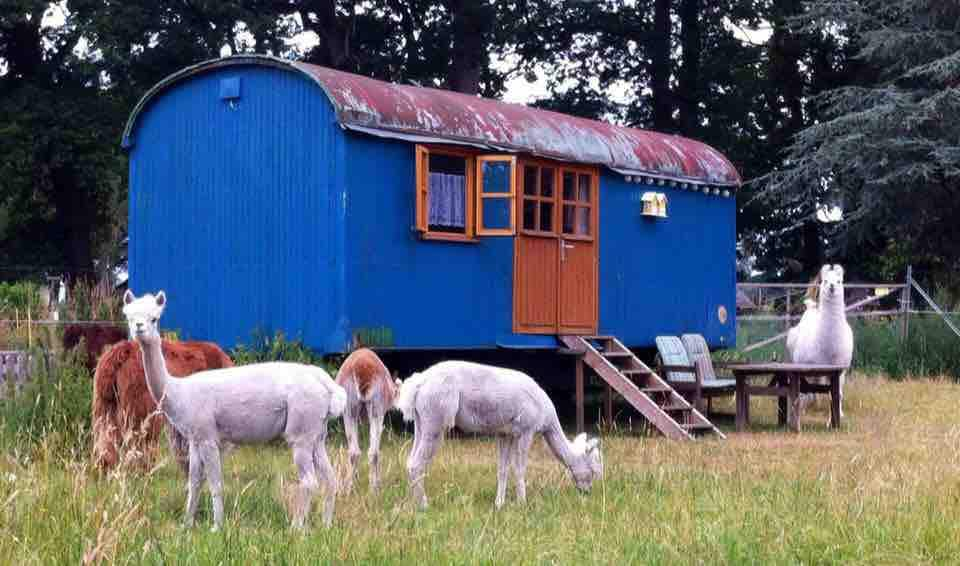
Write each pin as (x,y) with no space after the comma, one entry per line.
(447,196)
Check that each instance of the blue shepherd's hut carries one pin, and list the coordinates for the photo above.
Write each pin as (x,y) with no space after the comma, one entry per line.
(271,194)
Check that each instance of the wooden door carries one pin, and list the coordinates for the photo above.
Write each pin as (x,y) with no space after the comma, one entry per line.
(555,260)
(578,253)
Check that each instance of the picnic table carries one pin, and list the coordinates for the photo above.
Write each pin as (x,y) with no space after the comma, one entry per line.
(787,382)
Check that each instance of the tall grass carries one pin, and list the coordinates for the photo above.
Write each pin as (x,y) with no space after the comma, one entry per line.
(52,407)
(277,347)
(882,490)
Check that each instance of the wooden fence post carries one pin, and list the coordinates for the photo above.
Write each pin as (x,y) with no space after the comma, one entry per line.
(905,306)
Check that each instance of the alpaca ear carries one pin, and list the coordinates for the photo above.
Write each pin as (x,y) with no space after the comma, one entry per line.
(580,439)
(128,297)
(161,299)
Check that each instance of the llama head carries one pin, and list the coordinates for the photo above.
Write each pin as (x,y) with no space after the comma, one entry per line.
(589,465)
(831,281)
(143,315)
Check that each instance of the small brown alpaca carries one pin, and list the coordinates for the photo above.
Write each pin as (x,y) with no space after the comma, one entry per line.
(369,386)
(124,413)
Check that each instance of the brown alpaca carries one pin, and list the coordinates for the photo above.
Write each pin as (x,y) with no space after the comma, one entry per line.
(368,386)
(96,338)
(122,402)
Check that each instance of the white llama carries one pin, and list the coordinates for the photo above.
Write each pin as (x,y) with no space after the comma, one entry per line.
(486,399)
(241,405)
(823,335)
(369,387)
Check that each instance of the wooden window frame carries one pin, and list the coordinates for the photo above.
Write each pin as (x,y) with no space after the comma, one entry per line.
(510,196)
(577,203)
(422,206)
(540,165)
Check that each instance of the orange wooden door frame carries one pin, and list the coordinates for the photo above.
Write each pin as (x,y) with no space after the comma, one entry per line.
(555,288)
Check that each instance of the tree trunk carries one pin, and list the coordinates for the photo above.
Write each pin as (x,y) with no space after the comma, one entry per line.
(689,92)
(75,218)
(334,32)
(472,23)
(660,68)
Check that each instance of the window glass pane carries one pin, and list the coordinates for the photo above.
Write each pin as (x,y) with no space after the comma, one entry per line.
(546,217)
(529,180)
(530,214)
(568,210)
(583,221)
(584,194)
(447,194)
(546,182)
(569,180)
(496,213)
(496,177)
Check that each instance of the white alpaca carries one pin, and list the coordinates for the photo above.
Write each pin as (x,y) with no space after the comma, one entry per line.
(369,387)
(479,398)
(823,335)
(241,405)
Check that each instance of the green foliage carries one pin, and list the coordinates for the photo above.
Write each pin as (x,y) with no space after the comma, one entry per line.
(885,147)
(266,348)
(52,408)
(19,297)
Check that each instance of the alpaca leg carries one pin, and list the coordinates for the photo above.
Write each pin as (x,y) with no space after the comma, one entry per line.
(353,444)
(328,475)
(194,481)
(305,460)
(505,447)
(419,461)
(521,450)
(210,454)
(179,448)
(373,452)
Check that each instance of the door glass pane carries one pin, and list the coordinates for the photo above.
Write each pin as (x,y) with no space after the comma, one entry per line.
(496,177)
(546,216)
(529,180)
(546,182)
(569,181)
(584,194)
(568,211)
(583,220)
(496,213)
(530,214)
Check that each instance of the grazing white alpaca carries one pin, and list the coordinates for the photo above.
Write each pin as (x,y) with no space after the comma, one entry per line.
(480,398)
(241,405)
(369,386)
(823,335)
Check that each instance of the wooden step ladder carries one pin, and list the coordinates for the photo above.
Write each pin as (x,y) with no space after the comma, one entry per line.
(653,397)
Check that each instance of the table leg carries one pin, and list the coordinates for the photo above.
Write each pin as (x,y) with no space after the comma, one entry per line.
(835,400)
(777,381)
(793,401)
(741,399)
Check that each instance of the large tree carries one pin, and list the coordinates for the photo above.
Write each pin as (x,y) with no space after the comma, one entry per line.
(885,150)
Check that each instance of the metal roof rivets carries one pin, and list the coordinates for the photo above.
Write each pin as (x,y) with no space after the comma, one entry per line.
(706,190)
(726,193)
(716,191)
(629,179)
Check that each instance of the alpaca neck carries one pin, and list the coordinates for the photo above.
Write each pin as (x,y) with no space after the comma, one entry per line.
(832,308)
(155,369)
(560,446)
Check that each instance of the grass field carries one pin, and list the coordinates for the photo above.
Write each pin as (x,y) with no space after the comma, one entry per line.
(883,490)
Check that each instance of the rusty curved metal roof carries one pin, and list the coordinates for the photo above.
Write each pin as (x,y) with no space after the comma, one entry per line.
(376,106)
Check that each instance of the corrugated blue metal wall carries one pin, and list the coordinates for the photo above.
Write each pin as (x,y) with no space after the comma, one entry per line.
(666,275)
(235,209)
(656,276)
